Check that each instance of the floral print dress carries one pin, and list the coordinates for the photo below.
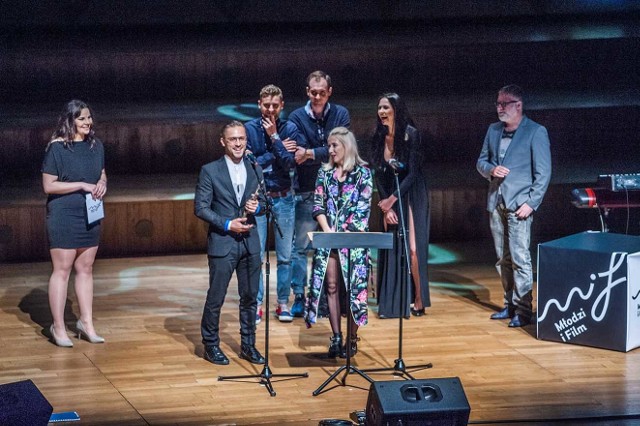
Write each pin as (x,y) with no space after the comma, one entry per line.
(347,206)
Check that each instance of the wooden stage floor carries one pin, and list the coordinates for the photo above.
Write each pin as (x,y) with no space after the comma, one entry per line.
(151,370)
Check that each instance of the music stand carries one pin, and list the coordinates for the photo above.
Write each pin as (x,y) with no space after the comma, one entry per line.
(266,374)
(349,240)
(399,368)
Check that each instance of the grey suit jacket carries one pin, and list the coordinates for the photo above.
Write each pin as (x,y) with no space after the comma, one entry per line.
(215,203)
(529,160)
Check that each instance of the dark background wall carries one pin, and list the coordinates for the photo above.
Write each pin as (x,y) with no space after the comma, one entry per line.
(162,76)
(70,13)
(173,50)
(154,62)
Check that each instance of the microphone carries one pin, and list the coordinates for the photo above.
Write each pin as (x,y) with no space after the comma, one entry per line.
(252,158)
(396,165)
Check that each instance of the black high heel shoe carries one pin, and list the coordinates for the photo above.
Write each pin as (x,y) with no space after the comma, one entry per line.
(335,347)
(354,345)
(417,312)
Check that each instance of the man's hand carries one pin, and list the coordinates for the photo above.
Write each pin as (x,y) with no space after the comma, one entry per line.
(290,145)
(239,225)
(499,172)
(524,211)
(251,206)
(269,126)
(301,155)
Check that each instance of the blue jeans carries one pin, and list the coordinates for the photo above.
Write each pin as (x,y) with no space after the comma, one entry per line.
(305,223)
(284,211)
(512,238)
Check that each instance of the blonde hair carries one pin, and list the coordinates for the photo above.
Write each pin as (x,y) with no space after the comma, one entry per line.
(351,156)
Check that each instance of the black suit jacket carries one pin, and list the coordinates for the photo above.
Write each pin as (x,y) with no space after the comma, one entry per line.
(215,203)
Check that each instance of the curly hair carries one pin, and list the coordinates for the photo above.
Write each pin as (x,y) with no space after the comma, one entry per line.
(271,90)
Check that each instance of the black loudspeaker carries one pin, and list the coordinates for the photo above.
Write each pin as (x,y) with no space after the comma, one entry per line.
(22,404)
(417,402)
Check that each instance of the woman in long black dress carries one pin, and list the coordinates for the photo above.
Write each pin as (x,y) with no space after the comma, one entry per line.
(396,137)
(73,167)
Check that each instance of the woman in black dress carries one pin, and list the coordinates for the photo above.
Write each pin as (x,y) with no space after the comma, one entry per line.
(73,167)
(396,137)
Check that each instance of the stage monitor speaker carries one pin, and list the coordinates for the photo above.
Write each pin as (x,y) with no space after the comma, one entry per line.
(440,402)
(22,404)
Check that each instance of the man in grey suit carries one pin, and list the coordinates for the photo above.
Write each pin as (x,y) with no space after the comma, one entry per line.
(227,199)
(516,160)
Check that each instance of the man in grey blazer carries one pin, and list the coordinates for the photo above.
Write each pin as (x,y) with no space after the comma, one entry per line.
(227,199)
(516,160)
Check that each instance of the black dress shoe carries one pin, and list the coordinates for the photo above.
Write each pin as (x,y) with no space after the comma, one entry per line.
(251,354)
(505,313)
(519,321)
(417,312)
(215,355)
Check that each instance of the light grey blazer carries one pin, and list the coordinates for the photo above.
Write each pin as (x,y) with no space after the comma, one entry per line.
(529,160)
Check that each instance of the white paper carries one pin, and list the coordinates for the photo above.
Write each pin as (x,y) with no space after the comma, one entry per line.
(95,209)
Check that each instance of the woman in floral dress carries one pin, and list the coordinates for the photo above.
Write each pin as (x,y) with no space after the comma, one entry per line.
(342,203)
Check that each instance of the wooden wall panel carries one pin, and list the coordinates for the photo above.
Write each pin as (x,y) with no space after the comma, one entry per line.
(133,228)
(458,213)
(139,237)
(144,227)
(196,229)
(114,230)
(24,235)
(164,229)
(141,144)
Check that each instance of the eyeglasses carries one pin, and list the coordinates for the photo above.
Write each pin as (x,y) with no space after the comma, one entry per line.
(504,104)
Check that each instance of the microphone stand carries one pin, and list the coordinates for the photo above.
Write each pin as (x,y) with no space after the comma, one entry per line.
(399,368)
(266,374)
(348,368)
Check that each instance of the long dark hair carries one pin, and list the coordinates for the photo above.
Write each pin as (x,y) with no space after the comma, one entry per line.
(66,128)
(402,119)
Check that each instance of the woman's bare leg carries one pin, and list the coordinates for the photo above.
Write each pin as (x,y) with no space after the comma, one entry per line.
(62,260)
(415,266)
(84,286)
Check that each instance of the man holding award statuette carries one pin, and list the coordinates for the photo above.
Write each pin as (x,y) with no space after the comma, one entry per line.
(227,199)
